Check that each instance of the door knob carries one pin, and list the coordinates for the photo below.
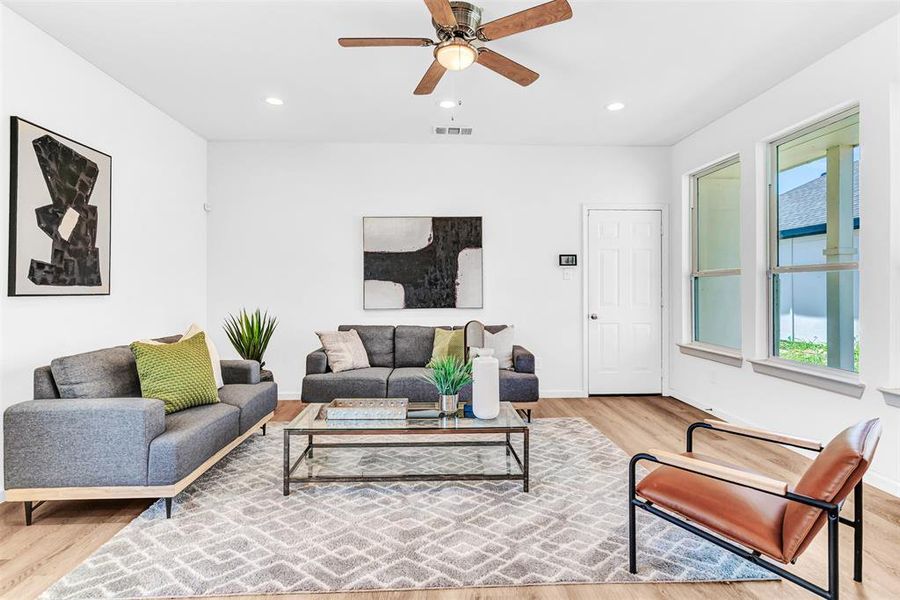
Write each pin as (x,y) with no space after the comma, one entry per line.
(594,317)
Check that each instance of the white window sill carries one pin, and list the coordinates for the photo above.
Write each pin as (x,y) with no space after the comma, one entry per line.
(891,396)
(827,379)
(720,354)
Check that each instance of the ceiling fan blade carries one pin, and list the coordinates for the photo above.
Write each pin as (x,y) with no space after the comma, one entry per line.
(441,12)
(430,80)
(506,67)
(368,42)
(531,18)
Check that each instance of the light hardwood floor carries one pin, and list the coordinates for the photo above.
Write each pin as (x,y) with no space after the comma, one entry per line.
(65,533)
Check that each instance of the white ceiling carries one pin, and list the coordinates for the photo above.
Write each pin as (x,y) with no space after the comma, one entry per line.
(677,65)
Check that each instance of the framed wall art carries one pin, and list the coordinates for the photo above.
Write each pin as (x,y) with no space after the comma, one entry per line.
(60,214)
(422,262)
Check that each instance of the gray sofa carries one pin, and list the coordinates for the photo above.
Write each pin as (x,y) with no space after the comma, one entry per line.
(88,434)
(398,356)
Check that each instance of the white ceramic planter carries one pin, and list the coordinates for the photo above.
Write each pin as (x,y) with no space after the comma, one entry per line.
(485,385)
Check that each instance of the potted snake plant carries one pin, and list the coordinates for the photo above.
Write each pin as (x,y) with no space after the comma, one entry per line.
(449,375)
(250,334)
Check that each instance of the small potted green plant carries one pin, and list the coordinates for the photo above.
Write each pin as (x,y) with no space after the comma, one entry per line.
(449,375)
(250,333)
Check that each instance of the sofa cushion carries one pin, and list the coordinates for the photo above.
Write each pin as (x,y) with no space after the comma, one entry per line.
(255,401)
(378,340)
(107,373)
(359,383)
(408,382)
(44,385)
(192,436)
(413,345)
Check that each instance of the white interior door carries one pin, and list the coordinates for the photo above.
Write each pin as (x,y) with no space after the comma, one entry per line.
(625,302)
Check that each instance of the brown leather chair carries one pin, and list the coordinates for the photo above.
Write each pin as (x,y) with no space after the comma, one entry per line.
(765,516)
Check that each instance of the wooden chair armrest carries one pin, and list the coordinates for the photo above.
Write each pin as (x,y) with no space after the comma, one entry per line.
(752,480)
(771,436)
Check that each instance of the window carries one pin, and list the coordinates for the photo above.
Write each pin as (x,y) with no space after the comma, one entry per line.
(814,244)
(716,270)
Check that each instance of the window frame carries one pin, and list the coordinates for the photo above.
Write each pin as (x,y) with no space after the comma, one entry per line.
(696,272)
(772,267)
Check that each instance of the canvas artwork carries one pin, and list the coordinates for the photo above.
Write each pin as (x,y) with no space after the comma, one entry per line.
(59,226)
(422,262)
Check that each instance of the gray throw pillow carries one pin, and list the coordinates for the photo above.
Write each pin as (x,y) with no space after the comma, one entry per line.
(107,373)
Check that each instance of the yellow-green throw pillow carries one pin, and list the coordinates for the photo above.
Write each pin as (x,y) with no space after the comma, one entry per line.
(448,343)
(179,374)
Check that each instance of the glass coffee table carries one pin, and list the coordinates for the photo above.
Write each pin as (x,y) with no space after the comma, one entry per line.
(422,422)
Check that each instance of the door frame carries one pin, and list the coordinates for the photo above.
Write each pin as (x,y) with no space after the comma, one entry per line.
(663,209)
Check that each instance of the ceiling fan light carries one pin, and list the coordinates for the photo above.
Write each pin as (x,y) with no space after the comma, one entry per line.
(455,54)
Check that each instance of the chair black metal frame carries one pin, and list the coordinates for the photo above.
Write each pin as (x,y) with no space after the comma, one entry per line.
(832,511)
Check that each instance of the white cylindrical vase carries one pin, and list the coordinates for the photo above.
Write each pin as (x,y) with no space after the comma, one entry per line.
(485,385)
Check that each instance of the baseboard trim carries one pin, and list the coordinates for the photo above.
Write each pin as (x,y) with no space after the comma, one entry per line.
(564,393)
(130,491)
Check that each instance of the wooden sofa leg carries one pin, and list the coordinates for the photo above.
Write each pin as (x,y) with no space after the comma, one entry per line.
(264,428)
(29,509)
(168,508)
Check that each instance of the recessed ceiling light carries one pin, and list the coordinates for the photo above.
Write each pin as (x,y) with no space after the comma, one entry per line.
(447,103)
(274,101)
(614,106)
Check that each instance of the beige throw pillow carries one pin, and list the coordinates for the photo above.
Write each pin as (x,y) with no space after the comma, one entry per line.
(502,344)
(344,349)
(193,330)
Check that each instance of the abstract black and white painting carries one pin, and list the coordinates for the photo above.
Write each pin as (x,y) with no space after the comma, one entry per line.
(59,225)
(422,262)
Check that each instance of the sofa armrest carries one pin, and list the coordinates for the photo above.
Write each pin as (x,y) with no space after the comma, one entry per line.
(316,362)
(80,443)
(240,371)
(523,360)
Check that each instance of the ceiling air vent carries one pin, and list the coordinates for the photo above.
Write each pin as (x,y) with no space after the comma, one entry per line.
(452,130)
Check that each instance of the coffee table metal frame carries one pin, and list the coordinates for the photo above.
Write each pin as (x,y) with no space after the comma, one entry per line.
(437,429)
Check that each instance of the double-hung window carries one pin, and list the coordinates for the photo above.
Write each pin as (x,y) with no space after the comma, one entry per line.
(716,255)
(814,244)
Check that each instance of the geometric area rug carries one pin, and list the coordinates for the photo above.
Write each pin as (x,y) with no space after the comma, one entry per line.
(233,532)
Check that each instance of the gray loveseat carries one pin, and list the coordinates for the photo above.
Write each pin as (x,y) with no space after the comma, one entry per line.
(398,356)
(88,434)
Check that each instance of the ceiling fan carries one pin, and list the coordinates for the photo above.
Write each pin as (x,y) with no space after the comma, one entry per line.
(460,37)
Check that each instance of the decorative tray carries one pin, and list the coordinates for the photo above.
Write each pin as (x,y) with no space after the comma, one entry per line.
(366,408)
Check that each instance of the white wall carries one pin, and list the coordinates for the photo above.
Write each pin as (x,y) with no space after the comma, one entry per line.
(285,233)
(865,71)
(158,255)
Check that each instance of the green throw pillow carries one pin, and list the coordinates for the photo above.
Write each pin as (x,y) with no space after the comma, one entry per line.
(179,374)
(448,343)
